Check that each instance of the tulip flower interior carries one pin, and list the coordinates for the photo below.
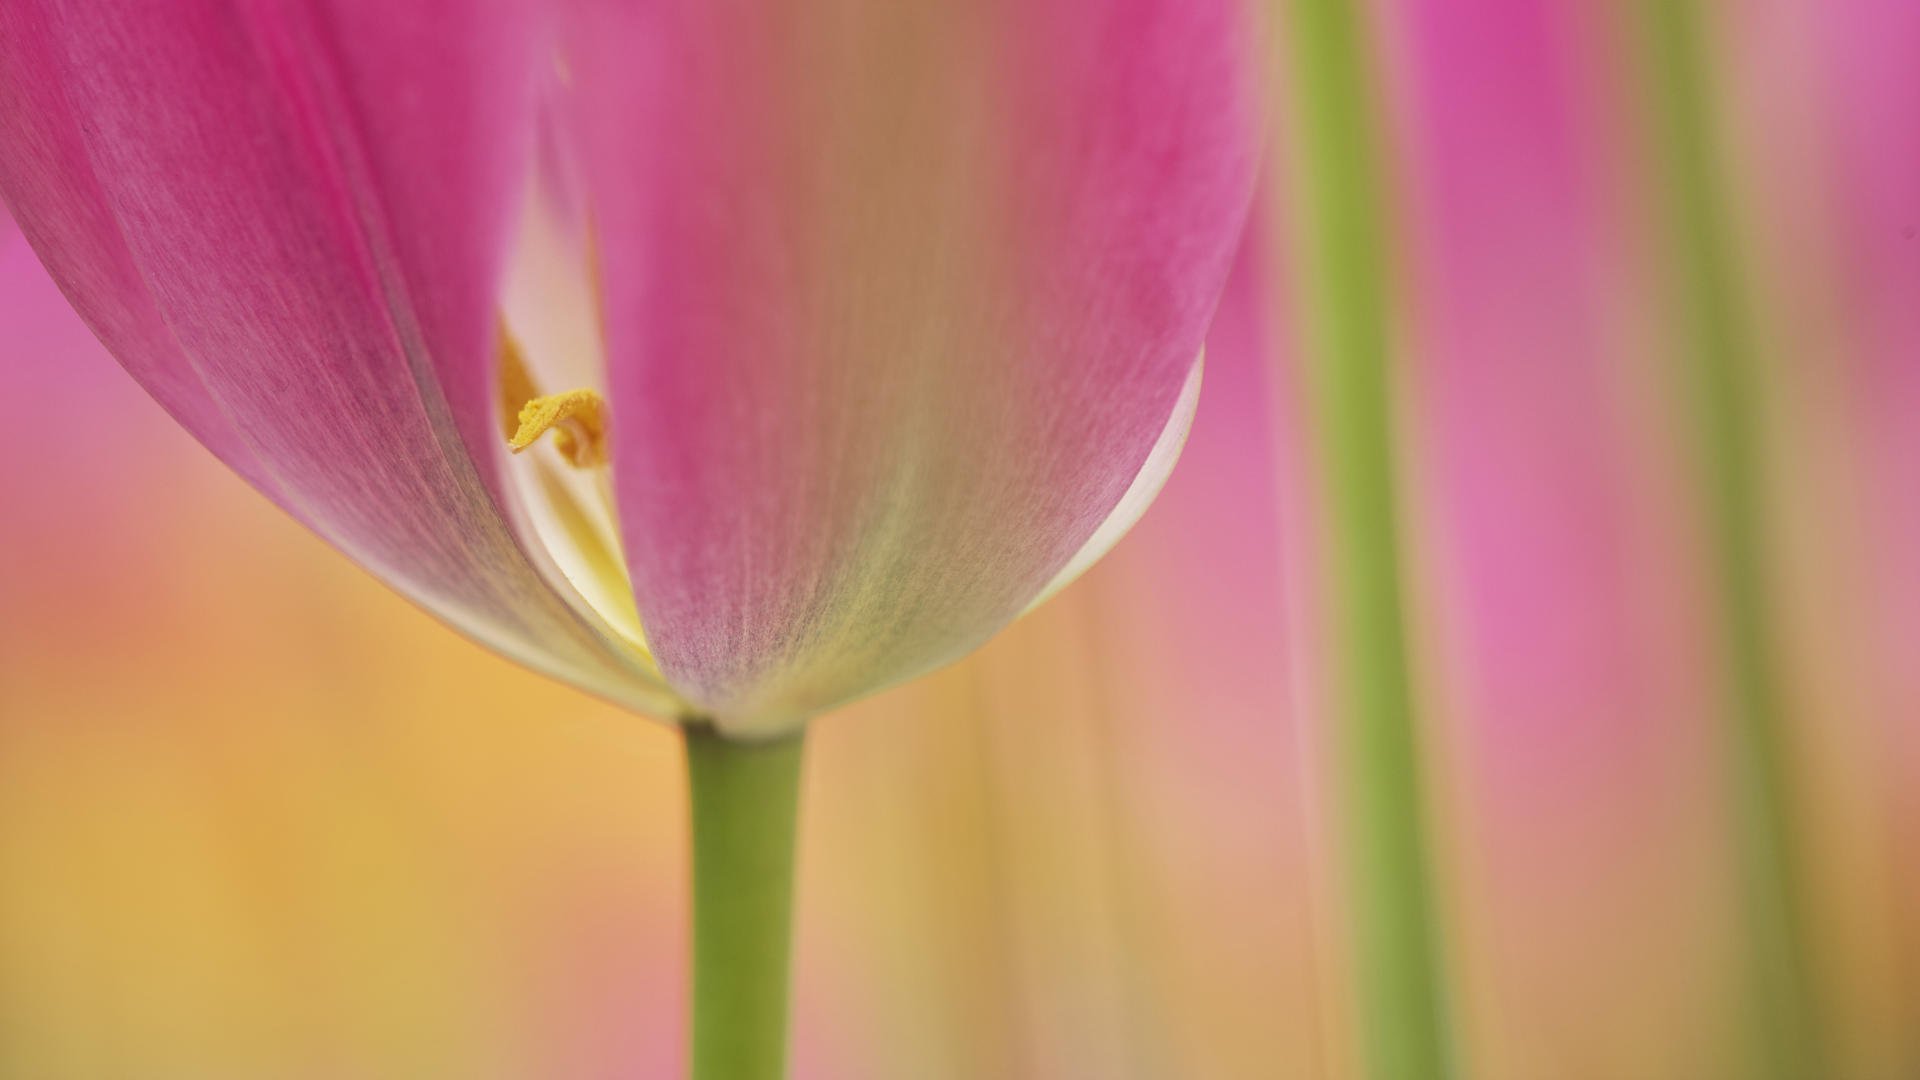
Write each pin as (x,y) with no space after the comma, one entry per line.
(552,371)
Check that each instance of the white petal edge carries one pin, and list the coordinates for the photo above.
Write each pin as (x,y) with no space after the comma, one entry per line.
(1139,494)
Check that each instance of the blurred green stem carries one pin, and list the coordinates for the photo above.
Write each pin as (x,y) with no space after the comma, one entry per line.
(1342,213)
(745,799)
(1721,367)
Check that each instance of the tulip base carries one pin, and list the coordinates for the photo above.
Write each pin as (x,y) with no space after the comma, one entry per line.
(745,801)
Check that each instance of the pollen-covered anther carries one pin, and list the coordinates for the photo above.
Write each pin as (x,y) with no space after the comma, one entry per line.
(577,419)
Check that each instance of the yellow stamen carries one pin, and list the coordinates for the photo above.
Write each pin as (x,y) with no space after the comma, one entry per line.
(578,421)
(578,417)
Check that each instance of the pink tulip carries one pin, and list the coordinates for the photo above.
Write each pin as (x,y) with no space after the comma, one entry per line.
(859,326)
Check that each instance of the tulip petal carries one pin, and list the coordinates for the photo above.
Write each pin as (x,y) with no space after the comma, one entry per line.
(48,181)
(899,298)
(296,245)
(1140,494)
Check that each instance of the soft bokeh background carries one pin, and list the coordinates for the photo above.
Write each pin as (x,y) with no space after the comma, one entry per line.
(261,818)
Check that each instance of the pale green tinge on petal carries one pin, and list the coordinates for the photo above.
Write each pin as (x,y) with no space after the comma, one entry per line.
(1140,494)
(866,600)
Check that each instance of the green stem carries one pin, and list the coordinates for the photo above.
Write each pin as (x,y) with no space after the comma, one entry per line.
(746,799)
(1343,214)
(1783,1022)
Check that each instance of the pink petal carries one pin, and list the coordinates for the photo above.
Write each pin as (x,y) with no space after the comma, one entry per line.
(286,221)
(899,298)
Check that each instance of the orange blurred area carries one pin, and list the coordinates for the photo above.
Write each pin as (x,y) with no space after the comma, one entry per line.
(259,817)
